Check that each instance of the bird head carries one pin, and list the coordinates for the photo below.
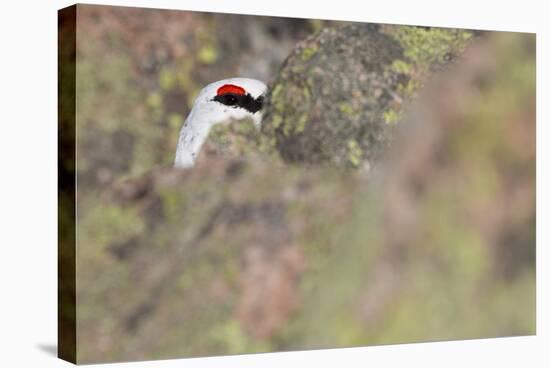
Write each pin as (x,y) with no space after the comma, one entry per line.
(218,102)
(231,99)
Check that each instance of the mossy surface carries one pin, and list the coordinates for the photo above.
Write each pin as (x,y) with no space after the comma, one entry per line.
(350,84)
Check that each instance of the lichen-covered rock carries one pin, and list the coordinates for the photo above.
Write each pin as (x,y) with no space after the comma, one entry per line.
(326,102)
(202,260)
(338,92)
(238,139)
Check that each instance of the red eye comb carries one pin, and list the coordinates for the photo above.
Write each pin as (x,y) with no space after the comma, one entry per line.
(231,88)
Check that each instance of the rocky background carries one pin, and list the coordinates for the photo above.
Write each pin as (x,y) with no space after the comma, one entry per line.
(388,198)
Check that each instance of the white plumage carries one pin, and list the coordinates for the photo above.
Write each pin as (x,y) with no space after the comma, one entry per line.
(224,100)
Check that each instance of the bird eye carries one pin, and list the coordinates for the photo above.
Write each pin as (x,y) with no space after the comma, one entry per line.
(230,99)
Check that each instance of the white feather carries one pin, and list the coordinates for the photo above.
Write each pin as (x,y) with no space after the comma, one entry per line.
(206,113)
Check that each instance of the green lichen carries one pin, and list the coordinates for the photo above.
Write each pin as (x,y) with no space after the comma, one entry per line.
(208,55)
(354,153)
(424,50)
(175,121)
(276,121)
(167,79)
(280,97)
(173,201)
(346,108)
(429,48)
(233,340)
(309,52)
(301,124)
(106,224)
(391,116)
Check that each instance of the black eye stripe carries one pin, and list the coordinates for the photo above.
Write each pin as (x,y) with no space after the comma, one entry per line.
(246,102)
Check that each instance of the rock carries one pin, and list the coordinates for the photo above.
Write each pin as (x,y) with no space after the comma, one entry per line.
(338,92)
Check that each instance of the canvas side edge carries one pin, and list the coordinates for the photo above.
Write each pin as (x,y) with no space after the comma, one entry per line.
(66,184)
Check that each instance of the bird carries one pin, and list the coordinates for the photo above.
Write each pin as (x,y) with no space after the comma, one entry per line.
(228,99)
